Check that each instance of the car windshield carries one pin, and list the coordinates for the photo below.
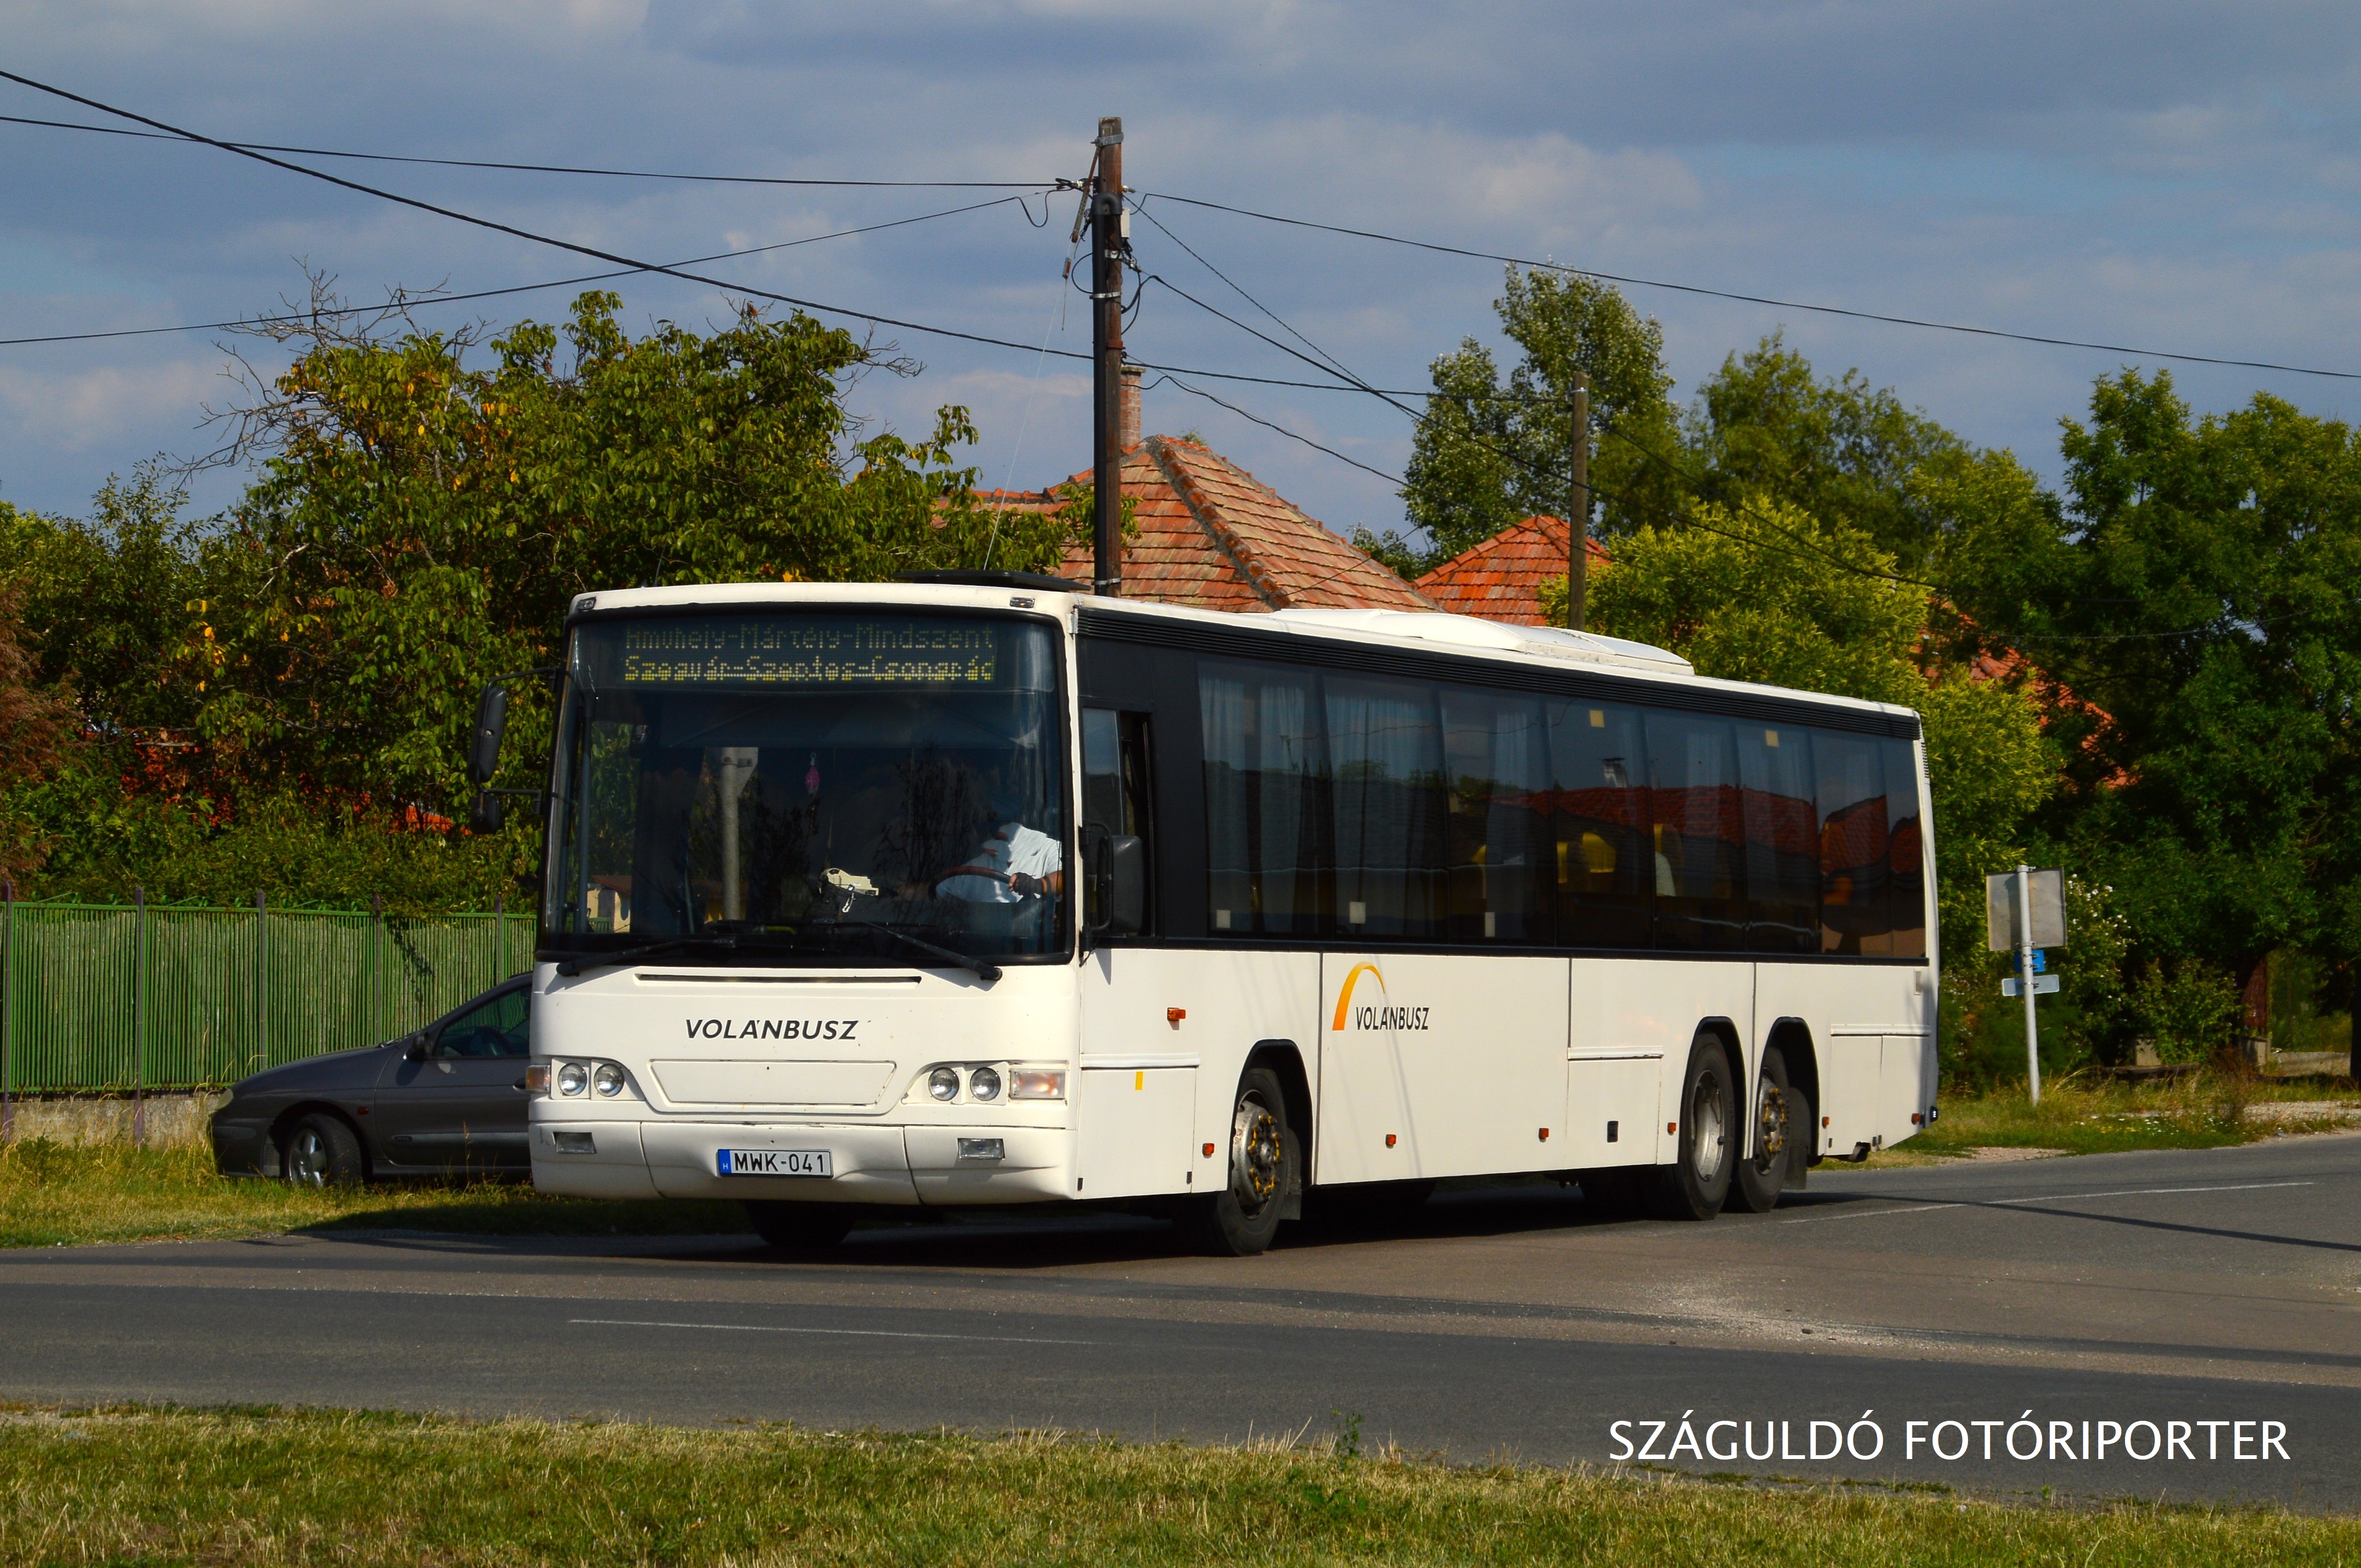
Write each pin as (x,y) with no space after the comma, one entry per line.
(811,783)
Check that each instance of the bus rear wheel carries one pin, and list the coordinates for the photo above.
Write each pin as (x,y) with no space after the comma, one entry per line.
(1695,1185)
(1264,1167)
(798,1227)
(1762,1175)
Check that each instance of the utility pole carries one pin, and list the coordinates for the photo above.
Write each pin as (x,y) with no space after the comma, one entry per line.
(1577,507)
(1110,238)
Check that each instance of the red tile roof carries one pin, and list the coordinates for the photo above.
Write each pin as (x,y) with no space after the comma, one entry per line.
(1213,537)
(1500,579)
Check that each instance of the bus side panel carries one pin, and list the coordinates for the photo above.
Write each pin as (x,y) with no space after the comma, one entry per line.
(1228,1001)
(1460,1058)
(1621,1005)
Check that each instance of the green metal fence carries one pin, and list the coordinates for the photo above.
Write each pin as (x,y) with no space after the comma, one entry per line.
(130,996)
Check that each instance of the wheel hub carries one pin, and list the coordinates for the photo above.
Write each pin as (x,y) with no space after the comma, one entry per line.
(1771,1135)
(1255,1157)
(1706,1131)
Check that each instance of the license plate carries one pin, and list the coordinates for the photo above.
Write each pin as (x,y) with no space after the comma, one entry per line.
(775,1162)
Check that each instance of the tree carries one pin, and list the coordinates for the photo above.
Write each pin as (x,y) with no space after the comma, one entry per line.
(37,734)
(1489,453)
(2196,582)
(1840,449)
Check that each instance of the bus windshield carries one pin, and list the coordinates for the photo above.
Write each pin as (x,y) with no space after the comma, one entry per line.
(812,786)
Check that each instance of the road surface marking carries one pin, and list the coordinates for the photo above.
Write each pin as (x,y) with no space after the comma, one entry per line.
(856,1333)
(2051,1197)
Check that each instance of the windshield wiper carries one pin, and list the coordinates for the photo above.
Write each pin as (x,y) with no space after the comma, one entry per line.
(988,974)
(574,965)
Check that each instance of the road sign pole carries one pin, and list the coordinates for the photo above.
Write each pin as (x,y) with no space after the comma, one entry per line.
(2025,977)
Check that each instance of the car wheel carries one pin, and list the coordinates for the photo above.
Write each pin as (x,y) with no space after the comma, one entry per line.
(322,1152)
(1696,1184)
(1762,1175)
(1264,1167)
(799,1227)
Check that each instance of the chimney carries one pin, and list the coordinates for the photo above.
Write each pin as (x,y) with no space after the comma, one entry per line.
(1128,424)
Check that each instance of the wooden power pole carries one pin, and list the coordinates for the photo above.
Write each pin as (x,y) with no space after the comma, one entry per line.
(1109,241)
(1577,507)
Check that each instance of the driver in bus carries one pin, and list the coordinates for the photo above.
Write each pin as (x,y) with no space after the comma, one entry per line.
(1014,862)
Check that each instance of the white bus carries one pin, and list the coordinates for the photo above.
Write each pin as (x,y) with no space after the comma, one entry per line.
(983,892)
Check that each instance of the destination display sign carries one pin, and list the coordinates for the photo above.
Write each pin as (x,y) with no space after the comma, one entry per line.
(797,652)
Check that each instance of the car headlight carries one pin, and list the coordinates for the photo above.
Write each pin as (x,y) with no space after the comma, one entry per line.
(943,1083)
(607,1080)
(1037,1083)
(572,1079)
(984,1084)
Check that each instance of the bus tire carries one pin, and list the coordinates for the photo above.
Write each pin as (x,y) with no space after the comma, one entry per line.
(1762,1175)
(1696,1184)
(798,1227)
(1265,1165)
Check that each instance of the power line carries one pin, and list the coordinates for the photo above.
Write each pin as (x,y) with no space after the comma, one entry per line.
(439,299)
(1635,281)
(530,168)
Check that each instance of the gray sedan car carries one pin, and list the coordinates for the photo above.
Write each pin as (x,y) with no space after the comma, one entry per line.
(447,1100)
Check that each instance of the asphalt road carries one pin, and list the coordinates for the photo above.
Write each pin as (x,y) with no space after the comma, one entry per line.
(2083,1296)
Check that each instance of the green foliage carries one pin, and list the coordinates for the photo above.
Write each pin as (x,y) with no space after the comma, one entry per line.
(2194,588)
(1491,453)
(2186,1006)
(1840,449)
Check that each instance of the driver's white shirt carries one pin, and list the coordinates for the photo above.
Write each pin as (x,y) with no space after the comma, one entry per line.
(1015,851)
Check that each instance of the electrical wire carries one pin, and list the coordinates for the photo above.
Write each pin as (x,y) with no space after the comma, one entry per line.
(1333,362)
(1635,281)
(439,299)
(535,168)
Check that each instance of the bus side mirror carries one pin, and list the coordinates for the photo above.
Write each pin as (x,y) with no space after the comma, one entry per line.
(1123,885)
(483,745)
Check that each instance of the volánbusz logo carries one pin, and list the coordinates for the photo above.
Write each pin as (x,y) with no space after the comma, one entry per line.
(772,1029)
(1378,1015)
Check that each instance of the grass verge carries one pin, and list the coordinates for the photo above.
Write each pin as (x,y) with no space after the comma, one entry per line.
(265,1487)
(2099,1116)
(58,1194)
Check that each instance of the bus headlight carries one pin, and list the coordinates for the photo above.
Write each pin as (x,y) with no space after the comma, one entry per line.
(607,1080)
(943,1083)
(1037,1083)
(984,1084)
(571,1080)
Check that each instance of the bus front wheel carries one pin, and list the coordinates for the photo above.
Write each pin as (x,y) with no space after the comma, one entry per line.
(1264,1167)
(1694,1186)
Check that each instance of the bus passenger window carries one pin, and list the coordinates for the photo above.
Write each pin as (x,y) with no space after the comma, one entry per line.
(1605,861)
(1496,759)
(1782,862)
(1390,808)
(1266,785)
(1694,798)
(1907,850)
(1856,914)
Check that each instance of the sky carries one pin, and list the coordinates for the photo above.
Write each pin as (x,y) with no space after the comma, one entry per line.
(2164,176)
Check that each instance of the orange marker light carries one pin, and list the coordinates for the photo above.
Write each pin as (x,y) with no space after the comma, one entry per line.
(1174,1014)
(1390,1140)
(1545,1134)
(1672,1126)
(1209,1151)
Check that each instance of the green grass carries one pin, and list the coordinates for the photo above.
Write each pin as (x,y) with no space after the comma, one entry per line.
(2097,1116)
(266,1487)
(53,1194)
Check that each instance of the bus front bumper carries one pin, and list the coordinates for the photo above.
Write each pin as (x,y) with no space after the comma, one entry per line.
(900,1166)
